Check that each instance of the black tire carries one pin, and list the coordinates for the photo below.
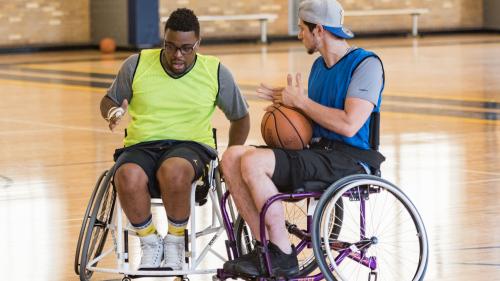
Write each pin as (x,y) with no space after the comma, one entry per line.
(97,228)
(399,245)
(85,222)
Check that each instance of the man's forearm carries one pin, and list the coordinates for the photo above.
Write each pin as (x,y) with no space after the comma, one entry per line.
(106,105)
(238,131)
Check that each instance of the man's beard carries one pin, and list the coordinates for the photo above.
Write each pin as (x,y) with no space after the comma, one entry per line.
(313,49)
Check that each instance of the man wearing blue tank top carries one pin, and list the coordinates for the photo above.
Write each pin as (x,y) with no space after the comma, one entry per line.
(344,88)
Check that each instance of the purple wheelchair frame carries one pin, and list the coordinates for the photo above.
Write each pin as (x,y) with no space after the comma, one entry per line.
(343,248)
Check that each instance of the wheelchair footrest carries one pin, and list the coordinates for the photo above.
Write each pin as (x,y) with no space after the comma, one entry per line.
(222,275)
(162,272)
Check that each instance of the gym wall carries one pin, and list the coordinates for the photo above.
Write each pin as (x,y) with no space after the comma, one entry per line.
(444,15)
(65,23)
(44,22)
(491,17)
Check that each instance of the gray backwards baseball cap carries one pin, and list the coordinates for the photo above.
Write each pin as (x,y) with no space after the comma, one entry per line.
(328,13)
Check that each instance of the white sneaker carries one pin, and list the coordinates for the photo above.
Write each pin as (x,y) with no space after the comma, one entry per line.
(173,252)
(152,251)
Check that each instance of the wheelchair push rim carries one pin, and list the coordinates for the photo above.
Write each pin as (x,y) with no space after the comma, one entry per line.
(381,235)
(98,226)
(85,222)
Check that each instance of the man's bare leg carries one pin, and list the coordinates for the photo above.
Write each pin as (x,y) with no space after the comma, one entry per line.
(132,186)
(175,177)
(231,168)
(257,168)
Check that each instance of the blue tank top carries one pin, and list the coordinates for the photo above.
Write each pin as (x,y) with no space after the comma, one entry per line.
(328,86)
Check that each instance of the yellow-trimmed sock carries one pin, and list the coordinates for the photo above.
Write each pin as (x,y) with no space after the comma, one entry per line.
(176,227)
(146,228)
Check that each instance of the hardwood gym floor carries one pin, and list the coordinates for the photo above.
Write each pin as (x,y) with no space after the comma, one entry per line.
(440,134)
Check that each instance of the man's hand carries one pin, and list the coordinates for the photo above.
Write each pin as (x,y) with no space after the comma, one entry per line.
(115,114)
(293,96)
(270,93)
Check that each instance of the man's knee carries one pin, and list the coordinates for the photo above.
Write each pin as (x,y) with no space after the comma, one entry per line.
(130,177)
(256,163)
(230,157)
(176,174)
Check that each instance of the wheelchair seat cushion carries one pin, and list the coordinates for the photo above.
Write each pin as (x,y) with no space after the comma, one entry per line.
(312,186)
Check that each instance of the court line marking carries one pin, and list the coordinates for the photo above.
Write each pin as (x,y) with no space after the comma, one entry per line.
(80,163)
(19,73)
(7,181)
(78,128)
(440,117)
(57,86)
(479,263)
(481,172)
(284,49)
(479,248)
(417,99)
(491,119)
(10,133)
(480,181)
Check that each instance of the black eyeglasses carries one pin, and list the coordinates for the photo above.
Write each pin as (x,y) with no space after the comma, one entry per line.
(185,49)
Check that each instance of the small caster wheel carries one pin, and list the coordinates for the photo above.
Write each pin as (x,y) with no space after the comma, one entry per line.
(126,279)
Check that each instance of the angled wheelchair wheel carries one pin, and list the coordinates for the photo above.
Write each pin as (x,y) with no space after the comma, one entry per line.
(296,222)
(381,236)
(96,225)
(85,221)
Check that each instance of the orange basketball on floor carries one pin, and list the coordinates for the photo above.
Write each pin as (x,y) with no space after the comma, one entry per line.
(107,45)
(284,127)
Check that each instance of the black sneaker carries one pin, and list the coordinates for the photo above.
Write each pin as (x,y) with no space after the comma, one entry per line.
(249,259)
(252,264)
(283,265)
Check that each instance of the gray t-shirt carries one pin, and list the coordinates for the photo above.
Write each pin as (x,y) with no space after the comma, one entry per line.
(367,80)
(229,100)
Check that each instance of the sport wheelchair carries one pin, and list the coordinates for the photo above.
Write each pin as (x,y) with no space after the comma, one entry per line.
(103,217)
(361,227)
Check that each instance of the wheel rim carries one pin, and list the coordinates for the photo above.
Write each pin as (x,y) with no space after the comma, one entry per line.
(392,222)
(97,229)
(85,222)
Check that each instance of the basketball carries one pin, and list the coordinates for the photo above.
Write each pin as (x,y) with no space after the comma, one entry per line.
(284,127)
(107,45)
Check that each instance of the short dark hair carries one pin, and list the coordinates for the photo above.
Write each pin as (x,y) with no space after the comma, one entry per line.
(311,26)
(183,19)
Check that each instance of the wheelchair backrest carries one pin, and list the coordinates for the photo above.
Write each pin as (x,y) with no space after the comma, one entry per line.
(375,137)
(375,130)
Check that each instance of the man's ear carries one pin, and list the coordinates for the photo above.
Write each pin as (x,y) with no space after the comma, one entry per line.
(320,31)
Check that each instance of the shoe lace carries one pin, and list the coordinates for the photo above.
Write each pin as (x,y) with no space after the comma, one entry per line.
(173,252)
(151,251)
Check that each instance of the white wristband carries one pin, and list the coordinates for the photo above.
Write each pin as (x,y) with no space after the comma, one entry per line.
(115,112)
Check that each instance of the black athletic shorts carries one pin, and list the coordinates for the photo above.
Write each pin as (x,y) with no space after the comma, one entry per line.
(150,155)
(293,167)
